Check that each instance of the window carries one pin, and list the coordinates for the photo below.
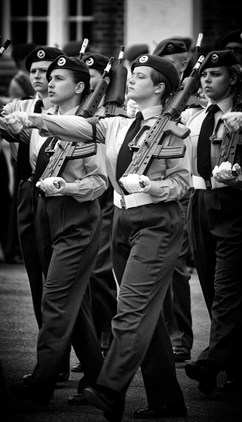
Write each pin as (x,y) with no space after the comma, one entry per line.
(80,19)
(28,21)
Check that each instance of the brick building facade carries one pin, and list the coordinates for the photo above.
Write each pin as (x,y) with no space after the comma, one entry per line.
(109,22)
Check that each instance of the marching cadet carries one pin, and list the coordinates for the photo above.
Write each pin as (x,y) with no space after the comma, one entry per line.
(215,218)
(68,225)
(147,237)
(177,306)
(25,152)
(102,283)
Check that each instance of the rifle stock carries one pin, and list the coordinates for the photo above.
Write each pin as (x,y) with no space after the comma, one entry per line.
(166,123)
(115,95)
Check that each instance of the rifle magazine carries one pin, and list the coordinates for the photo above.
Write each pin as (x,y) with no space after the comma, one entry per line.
(169,152)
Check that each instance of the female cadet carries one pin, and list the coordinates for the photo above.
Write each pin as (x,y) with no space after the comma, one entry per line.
(67,228)
(147,236)
(216,223)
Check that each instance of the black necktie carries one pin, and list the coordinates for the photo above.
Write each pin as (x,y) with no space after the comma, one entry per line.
(44,157)
(204,143)
(125,154)
(23,166)
(38,106)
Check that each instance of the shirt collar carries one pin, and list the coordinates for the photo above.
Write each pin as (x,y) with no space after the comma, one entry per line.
(72,112)
(224,105)
(150,112)
(46,102)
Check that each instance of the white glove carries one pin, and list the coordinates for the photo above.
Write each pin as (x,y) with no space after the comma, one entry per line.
(17,120)
(134,183)
(233,120)
(14,124)
(225,173)
(52,186)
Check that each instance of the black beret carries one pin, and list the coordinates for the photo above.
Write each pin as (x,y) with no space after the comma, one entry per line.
(219,58)
(71,63)
(233,36)
(41,53)
(170,46)
(163,66)
(96,61)
(135,50)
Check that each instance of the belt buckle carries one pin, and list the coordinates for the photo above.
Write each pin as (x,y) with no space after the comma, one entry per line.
(122,202)
(208,184)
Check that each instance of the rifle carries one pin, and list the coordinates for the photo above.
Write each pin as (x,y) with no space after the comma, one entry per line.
(4,47)
(83,47)
(71,150)
(115,95)
(231,141)
(165,124)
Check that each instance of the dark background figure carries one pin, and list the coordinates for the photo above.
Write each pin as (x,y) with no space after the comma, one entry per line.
(19,87)
(215,225)
(177,305)
(231,40)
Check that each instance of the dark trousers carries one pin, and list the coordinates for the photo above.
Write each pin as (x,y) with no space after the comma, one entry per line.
(215,219)
(70,232)
(146,243)
(102,281)
(177,306)
(28,243)
(5,202)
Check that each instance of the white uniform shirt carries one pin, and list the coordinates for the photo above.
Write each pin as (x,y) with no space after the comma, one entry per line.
(172,176)
(194,122)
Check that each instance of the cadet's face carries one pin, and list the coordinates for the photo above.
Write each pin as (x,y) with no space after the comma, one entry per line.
(140,84)
(216,83)
(61,86)
(95,77)
(38,77)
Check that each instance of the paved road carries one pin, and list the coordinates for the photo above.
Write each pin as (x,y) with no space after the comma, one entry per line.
(18,332)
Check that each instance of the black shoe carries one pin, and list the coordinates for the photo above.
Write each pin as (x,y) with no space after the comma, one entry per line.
(77,368)
(165,411)
(62,377)
(110,403)
(230,386)
(205,374)
(77,400)
(26,392)
(181,356)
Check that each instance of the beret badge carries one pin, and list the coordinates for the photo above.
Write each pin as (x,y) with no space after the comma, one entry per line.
(61,61)
(90,61)
(143,59)
(170,48)
(40,54)
(214,58)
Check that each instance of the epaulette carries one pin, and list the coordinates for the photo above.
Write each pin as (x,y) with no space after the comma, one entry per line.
(27,98)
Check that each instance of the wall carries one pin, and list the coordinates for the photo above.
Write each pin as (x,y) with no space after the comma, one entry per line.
(150,21)
(108,26)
